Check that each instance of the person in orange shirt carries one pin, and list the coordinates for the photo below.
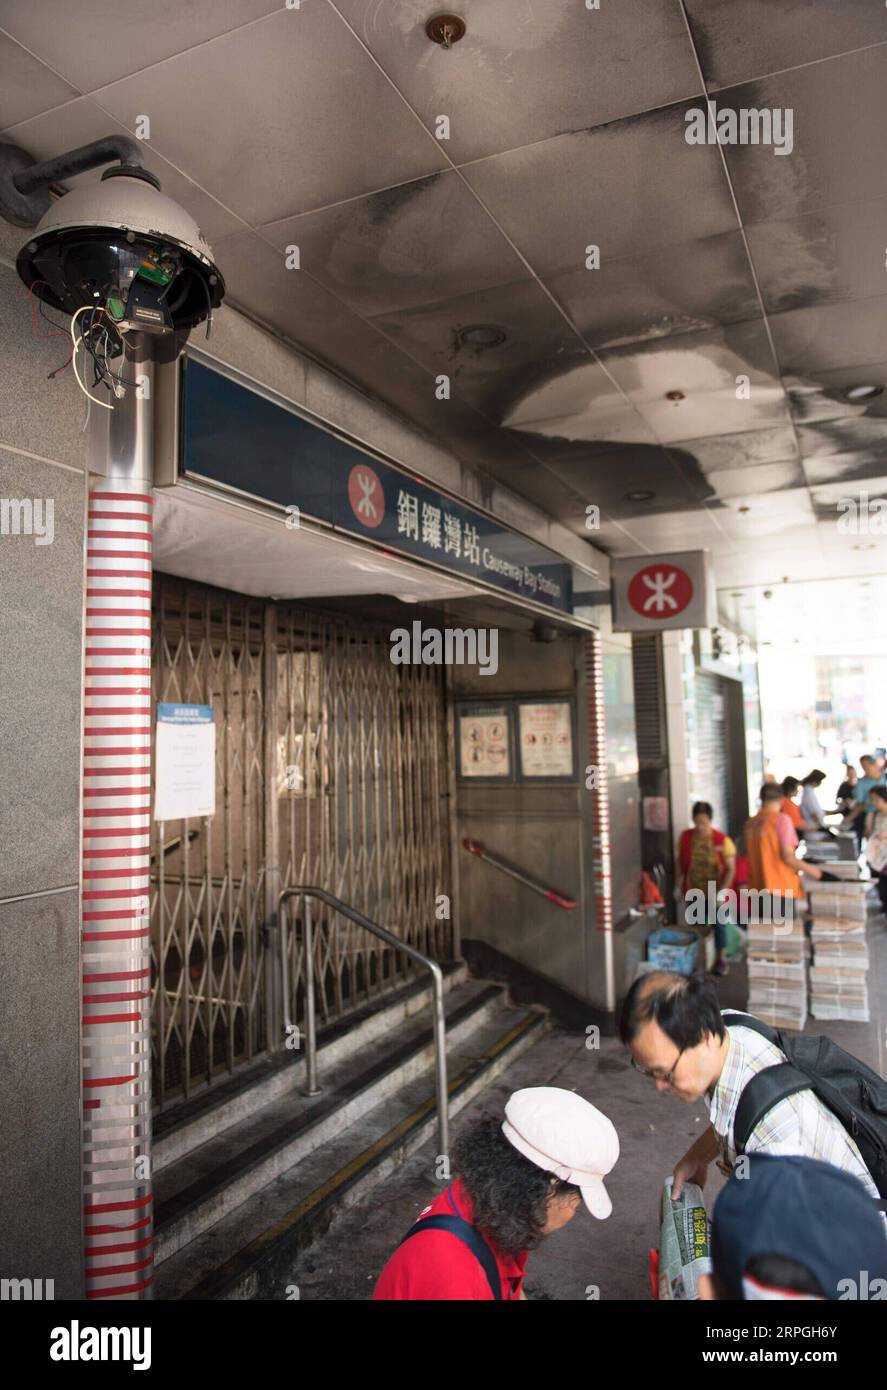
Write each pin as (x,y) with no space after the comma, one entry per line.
(770,844)
(790,788)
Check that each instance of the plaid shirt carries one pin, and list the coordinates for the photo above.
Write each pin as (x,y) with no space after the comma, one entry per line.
(800,1124)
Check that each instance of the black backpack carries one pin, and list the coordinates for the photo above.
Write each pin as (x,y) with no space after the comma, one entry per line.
(854,1093)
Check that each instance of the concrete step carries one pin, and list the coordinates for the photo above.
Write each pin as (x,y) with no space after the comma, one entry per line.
(203,1186)
(252,1251)
(185,1127)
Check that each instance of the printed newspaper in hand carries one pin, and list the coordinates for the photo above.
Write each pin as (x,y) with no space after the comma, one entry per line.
(683,1243)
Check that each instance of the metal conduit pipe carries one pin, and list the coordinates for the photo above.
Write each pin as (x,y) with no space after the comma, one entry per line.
(116,950)
(120,148)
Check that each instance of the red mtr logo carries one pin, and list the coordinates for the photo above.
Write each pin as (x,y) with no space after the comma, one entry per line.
(660,591)
(365,495)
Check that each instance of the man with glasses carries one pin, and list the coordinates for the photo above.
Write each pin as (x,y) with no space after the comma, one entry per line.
(677,1036)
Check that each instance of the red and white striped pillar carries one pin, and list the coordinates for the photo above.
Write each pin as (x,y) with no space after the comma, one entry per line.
(601,858)
(116,1022)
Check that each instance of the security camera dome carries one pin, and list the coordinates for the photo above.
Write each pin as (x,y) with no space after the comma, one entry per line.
(122,247)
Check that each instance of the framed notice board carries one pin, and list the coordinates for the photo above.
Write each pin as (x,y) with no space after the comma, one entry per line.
(546,739)
(485,741)
(516,740)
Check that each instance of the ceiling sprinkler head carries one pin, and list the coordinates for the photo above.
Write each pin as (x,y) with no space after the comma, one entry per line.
(445,29)
(674,395)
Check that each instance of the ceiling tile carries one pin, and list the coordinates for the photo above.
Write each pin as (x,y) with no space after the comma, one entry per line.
(688,287)
(626,188)
(836,108)
(741,39)
(728,484)
(821,394)
(709,369)
(828,256)
(865,466)
(538,346)
(751,518)
(747,449)
(28,87)
(80,121)
(417,243)
(575,409)
(525,71)
(858,433)
(831,335)
(686,530)
(607,480)
(261,118)
(102,40)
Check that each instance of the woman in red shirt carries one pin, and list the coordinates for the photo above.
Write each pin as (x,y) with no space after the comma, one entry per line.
(519,1180)
(708,856)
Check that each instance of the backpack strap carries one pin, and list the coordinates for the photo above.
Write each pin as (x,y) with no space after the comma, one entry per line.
(767,1087)
(470,1236)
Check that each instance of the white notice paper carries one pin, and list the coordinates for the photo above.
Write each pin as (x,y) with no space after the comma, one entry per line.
(185,779)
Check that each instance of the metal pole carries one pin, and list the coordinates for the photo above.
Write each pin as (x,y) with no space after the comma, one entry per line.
(116,950)
(440,1062)
(312,1088)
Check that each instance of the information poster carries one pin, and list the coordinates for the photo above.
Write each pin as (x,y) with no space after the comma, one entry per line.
(185,780)
(485,741)
(545,734)
(655,813)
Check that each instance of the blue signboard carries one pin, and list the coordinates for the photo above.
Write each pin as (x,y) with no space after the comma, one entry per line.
(235,436)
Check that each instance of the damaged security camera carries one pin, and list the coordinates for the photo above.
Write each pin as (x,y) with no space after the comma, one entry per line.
(118,256)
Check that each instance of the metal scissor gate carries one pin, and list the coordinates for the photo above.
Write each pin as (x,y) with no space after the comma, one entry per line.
(331,768)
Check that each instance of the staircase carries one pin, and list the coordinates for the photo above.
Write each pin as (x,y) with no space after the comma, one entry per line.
(255,1172)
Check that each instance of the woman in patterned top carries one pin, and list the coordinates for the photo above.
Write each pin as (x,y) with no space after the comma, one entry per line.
(708,856)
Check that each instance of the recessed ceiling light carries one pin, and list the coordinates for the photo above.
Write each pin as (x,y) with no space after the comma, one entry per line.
(862,393)
(641,495)
(483,335)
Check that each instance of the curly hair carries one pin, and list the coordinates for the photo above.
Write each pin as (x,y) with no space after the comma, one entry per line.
(509,1194)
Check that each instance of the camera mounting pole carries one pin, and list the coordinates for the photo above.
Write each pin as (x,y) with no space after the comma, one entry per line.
(25,184)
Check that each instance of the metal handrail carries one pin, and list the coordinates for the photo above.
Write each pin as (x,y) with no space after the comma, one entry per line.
(519,875)
(437,1005)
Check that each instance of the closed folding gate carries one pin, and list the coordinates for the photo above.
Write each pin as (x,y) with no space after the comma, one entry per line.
(331,769)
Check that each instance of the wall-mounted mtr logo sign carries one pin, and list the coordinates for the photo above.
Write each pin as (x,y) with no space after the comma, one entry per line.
(366,495)
(652,593)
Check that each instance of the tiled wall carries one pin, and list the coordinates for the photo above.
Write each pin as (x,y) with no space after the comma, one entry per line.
(41,596)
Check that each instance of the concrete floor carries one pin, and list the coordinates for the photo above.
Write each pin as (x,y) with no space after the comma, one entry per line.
(654,1130)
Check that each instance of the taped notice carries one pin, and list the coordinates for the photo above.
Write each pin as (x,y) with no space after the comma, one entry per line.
(185,776)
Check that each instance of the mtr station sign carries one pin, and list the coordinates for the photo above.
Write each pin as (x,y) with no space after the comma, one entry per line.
(652,593)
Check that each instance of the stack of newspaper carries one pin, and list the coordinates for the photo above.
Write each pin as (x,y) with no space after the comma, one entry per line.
(777,973)
(838,975)
(822,846)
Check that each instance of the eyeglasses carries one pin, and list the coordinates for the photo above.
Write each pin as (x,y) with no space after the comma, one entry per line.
(655,1073)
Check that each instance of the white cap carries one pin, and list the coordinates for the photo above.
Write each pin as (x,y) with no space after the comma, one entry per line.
(564,1134)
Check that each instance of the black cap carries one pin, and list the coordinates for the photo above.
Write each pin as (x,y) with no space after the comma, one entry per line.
(802,1210)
